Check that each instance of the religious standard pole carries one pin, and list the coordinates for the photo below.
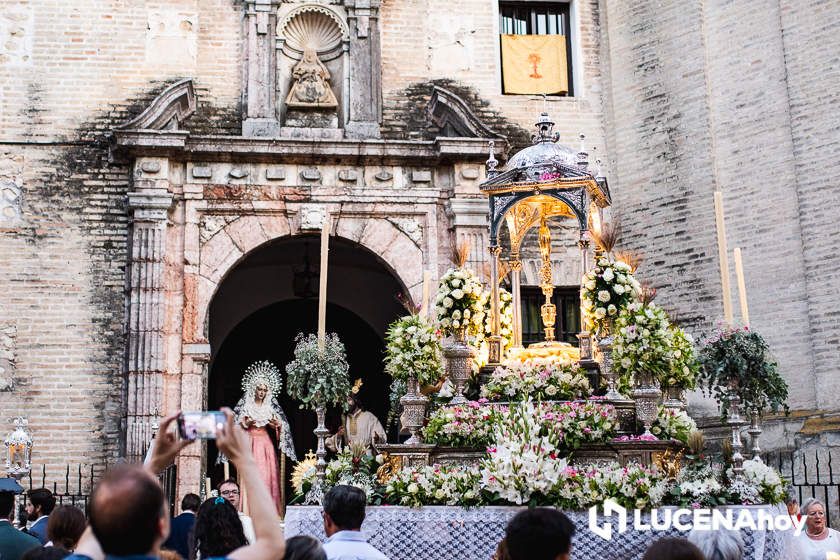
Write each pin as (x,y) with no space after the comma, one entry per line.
(320,408)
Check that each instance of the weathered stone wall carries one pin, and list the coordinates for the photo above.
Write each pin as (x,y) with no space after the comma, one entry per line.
(732,96)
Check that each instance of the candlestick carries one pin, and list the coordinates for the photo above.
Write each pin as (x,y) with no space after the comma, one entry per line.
(427,281)
(227,470)
(742,287)
(207,487)
(724,260)
(322,291)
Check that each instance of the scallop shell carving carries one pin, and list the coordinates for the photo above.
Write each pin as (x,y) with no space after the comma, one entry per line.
(312,30)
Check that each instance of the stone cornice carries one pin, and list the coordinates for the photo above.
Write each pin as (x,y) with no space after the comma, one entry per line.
(184,146)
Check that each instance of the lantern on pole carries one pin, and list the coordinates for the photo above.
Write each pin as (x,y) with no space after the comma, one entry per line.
(18,456)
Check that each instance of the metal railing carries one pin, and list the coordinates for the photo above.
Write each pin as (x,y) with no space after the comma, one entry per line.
(812,475)
(76,485)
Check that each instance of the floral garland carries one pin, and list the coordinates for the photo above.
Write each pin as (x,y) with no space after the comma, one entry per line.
(608,289)
(523,380)
(412,347)
(318,378)
(459,303)
(642,340)
(435,485)
(468,425)
(350,467)
(572,424)
(672,423)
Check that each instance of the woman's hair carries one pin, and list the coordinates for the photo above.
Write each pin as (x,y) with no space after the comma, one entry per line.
(718,545)
(65,526)
(304,547)
(808,503)
(218,530)
(673,548)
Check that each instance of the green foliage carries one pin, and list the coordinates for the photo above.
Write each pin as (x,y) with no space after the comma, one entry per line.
(741,357)
(318,378)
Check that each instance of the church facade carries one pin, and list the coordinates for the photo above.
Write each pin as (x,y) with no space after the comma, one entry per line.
(165,169)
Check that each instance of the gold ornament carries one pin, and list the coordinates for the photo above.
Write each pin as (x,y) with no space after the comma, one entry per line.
(356,386)
(389,469)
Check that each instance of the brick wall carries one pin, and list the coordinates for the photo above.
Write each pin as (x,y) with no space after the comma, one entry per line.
(731,96)
(69,73)
(425,40)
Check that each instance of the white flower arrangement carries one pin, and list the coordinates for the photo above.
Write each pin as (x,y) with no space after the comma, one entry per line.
(459,303)
(672,423)
(523,380)
(684,364)
(643,340)
(607,289)
(763,484)
(412,346)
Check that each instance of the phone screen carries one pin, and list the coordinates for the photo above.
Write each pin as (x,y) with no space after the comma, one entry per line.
(200,425)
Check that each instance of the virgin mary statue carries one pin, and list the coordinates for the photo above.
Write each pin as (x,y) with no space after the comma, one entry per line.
(260,414)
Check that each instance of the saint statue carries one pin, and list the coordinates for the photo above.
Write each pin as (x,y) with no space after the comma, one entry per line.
(311,85)
(358,426)
(260,414)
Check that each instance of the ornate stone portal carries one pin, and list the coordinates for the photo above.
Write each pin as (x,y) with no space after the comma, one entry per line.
(202,204)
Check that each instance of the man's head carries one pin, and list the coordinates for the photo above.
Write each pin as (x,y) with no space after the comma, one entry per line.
(539,534)
(191,502)
(39,502)
(128,514)
(229,490)
(7,505)
(344,509)
(354,403)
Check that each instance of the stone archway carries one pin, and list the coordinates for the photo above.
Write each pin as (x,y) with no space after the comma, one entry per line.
(261,304)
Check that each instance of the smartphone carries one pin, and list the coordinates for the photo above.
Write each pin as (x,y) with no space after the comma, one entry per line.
(200,425)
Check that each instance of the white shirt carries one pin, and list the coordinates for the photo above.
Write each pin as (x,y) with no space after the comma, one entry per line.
(351,545)
(819,550)
(247,528)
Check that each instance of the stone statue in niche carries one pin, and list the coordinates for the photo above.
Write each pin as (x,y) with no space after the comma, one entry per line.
(310,86)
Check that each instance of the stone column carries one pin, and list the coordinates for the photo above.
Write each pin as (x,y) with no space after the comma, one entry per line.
(515,286)
(366,73)
(260,78)
(149,205)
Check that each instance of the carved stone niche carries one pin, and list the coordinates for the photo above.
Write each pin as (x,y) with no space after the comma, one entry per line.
(313,70)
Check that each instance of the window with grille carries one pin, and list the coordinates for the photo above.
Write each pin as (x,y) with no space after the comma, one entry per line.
(536,45)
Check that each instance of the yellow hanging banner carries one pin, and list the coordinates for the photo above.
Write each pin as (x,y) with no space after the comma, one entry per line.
(534,64)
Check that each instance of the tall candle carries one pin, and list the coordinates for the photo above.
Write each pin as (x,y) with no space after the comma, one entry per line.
(724,260)
(742,287)
(227,470)
(427,280)
(207,487)
(322,291)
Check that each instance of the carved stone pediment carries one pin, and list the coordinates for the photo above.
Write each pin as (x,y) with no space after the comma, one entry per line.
(168,110)
(449,112)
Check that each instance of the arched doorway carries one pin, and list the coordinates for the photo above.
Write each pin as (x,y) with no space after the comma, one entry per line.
(271,295)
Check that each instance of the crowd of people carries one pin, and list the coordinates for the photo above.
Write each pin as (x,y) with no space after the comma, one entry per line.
(128,517)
